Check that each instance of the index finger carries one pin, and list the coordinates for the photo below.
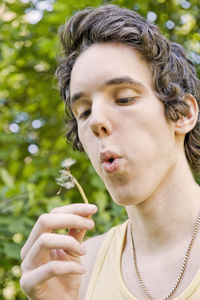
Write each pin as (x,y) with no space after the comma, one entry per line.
(81,209)
(48,222)
(77,209)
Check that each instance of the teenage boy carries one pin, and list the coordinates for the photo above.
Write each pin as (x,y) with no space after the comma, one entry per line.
(133,100)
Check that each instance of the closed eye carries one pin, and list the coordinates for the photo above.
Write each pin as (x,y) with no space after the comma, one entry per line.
(126,100)
(85,114)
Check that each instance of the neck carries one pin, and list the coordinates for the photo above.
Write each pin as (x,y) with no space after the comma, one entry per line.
(167,217)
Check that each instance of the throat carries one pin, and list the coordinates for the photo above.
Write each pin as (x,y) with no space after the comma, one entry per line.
(161,228)
(166,268)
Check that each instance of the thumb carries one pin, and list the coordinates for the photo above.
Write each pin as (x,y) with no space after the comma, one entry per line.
(78,234)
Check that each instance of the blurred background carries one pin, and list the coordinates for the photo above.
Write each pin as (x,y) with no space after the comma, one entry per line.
(32,121)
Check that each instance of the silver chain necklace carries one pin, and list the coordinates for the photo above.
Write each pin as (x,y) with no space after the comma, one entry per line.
(183,267)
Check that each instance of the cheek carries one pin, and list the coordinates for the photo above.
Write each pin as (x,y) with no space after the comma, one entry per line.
(89,146)
(147,131)
(81,137)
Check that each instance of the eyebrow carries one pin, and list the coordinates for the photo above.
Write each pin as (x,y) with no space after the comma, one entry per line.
(114,81)
(122,80)
(77,96)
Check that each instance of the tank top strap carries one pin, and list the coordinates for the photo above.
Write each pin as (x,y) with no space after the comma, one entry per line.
(118,234)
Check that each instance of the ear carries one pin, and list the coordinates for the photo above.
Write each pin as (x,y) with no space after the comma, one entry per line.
(186,123)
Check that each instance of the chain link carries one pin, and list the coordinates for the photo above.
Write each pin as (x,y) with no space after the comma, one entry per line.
(183,267)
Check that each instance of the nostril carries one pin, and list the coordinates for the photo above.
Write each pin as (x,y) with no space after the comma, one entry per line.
(103,129)
(99,129)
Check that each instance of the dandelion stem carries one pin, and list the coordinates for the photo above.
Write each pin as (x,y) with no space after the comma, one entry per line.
(58,193)
(80,190)
(65,177)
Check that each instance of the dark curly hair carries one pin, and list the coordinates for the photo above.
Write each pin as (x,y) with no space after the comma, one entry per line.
(172,73)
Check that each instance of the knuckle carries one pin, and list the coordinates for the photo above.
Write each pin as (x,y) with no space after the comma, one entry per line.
(43,239)
(25,266)
(22,267)
(22,254)
(22,282)
(51,268)
(25,284)
(43,220)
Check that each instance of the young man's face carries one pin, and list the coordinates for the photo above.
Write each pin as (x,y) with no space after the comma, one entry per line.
(121,123)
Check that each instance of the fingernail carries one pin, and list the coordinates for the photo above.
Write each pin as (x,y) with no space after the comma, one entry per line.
(92,208)
(89,223)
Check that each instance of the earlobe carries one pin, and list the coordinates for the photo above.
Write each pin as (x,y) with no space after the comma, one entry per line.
(186,123)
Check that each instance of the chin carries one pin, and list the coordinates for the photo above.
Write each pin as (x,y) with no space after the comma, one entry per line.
(126,199)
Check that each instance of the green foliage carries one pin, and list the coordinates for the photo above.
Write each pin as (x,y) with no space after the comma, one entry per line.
(27,93)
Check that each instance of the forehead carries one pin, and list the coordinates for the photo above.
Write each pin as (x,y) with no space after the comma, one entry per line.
(102,62)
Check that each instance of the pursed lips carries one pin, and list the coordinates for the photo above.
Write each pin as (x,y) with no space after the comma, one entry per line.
(108,156)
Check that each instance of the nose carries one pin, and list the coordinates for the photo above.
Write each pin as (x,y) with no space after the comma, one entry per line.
(100,121)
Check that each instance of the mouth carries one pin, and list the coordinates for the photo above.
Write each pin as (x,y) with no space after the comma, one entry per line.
(108,156)
(110,161)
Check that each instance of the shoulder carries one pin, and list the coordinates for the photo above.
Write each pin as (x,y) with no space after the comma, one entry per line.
(92,246)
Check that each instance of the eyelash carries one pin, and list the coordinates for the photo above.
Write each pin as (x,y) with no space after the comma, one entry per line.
(86,113)
(127,100)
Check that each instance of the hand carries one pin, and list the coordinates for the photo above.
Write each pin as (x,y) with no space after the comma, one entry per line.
(51,265)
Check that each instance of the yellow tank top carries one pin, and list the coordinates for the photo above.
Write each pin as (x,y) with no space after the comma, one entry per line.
(106,282)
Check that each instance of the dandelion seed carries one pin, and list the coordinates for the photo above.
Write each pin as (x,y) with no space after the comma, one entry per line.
(67,180)
(67,163)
